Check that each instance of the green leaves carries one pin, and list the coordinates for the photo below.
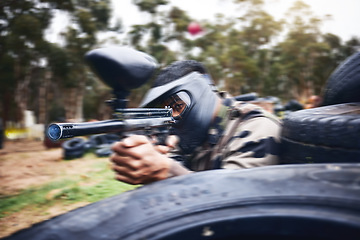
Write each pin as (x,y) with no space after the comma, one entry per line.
(252,52)
(27,27)
(149,5)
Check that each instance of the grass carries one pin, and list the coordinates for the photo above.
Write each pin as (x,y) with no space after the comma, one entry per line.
(95,185)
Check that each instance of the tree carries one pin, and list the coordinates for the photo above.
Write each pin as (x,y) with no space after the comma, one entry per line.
(22,25)
(243,54)
(90,18)
(234,48)
(155,32)
(302,54)
(28,60)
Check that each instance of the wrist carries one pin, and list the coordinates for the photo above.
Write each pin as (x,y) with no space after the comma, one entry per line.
(176,169)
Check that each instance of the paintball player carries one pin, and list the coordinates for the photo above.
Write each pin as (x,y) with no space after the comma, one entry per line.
(212,131)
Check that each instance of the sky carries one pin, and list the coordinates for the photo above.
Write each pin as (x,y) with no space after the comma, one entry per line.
(344,23)
(345,13)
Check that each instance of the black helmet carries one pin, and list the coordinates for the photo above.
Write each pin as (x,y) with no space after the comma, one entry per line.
(196,118)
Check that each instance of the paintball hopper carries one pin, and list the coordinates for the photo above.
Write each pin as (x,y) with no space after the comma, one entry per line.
(121,68)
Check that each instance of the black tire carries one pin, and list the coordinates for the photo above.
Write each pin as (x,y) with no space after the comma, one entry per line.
(111,138)
(326,134)
(73,154)
(97,140)
(88,146)
(309,201)
(73,148)
(104,151)
(343,86)
(74,144)
(101,143)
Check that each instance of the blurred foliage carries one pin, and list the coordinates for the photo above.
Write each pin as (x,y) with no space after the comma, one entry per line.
(24,50)
(289,58)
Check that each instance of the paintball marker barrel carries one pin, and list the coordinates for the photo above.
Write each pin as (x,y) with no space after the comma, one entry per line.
(122,69)
(130,113)
(58,131)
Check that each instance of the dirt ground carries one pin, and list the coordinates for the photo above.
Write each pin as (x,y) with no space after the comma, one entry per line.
(25,163)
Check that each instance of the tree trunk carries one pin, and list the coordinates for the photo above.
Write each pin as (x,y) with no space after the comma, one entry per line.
(80,101)
(74,99)
(43,98)
(70,103)
(22,93)
(6,101)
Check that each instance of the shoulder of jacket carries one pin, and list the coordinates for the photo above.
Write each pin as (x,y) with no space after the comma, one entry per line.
(247,110)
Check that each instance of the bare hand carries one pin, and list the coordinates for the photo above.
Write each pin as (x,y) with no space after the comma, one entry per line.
(137,161)
(171,142)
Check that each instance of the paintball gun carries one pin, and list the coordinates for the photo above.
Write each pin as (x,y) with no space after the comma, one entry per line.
(122,69)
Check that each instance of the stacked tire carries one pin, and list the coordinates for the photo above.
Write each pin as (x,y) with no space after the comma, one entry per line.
(100,144)
(331,133)
(73,148)
(343,86)
(328,134)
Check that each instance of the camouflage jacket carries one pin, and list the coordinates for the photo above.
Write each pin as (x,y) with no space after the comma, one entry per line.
(243,135)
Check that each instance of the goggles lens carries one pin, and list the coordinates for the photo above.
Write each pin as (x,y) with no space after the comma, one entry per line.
(179,102)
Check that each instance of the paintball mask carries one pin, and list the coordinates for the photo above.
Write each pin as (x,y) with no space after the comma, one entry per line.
(193,102)
(178,102)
